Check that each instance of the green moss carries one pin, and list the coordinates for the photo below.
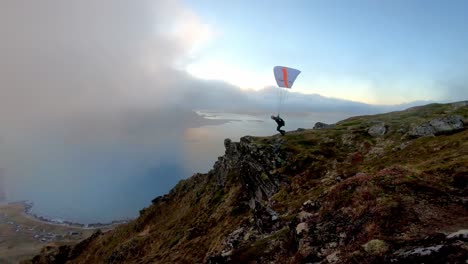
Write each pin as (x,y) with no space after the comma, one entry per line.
(376,247)
(280,196)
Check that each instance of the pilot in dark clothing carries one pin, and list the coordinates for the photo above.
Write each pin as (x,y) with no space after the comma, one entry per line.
(280,123)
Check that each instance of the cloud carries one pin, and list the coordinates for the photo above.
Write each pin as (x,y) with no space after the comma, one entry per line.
(61,57)
(65,63)
(89,89)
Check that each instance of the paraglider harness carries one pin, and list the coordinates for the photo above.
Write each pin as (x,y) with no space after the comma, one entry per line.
(280,123)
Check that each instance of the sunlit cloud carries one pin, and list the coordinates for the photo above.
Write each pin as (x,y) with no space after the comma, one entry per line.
(190,30)
(370,91)
(244,78)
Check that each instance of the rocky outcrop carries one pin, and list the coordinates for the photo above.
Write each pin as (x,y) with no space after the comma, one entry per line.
(457,105)
(435,249)
(438,126)
(320,125)
(255,164)
(266,219)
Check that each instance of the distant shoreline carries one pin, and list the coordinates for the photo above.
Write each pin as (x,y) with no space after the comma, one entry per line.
(28,205)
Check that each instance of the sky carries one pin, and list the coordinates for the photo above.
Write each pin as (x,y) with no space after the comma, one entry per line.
(98,56)
(94,90)
(380,52)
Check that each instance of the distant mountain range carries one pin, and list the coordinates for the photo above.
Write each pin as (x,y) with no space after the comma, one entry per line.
(266,100)
(298,102)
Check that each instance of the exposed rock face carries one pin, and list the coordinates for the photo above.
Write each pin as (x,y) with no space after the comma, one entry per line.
(266,219)
(438,126)
(436,249)
(255,165)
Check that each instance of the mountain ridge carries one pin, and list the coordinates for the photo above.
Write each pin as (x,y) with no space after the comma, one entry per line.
(387,188)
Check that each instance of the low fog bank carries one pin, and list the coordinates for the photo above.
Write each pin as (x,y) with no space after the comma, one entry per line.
(100,167)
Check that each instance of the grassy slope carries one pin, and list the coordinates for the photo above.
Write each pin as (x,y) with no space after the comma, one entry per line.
(392,188)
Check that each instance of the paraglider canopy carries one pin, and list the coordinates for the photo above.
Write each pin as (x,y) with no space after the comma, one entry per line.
(285,76)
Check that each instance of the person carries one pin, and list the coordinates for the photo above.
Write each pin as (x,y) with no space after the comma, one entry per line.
(280,123)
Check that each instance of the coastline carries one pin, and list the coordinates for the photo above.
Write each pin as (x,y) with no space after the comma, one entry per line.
(27,212)
(23,235)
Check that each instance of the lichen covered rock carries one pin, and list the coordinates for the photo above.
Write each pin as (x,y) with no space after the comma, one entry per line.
(438,126)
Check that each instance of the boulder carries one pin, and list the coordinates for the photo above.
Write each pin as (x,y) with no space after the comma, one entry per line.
(302,228)
(423,130)
(447,124)
(377,130)
(320,125)
(438,126)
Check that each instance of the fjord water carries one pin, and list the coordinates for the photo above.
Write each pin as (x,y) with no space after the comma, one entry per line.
(112,177)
